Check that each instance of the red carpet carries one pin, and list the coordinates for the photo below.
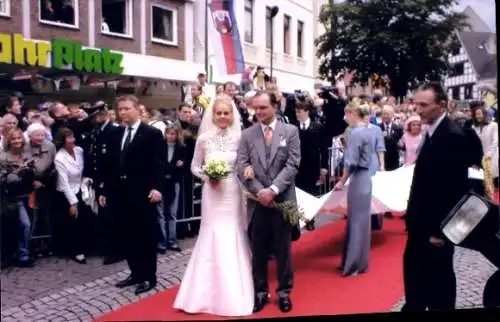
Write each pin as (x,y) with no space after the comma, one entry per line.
(319,287)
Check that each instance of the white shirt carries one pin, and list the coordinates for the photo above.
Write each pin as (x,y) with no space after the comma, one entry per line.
(432,127)
(69,173)
(273,127)
(135,126)
(304,125)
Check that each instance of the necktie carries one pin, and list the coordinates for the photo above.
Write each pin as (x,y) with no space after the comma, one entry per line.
(303,125)
(268,135)
(128,139)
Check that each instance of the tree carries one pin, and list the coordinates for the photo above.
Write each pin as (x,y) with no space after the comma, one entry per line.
(409,41)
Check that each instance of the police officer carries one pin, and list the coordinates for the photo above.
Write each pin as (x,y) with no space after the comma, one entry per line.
(96,143)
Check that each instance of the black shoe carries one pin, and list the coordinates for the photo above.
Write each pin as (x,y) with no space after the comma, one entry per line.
(285,303)
(145,286)
(310,225)
(161,251)
(259,303)
(26,263)
(108,260)
(388,215)
(129,281)
(174,248)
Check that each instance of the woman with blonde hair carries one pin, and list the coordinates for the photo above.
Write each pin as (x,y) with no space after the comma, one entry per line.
(358,162)
(16,168)
(411,139)
(218,278)
(487,131)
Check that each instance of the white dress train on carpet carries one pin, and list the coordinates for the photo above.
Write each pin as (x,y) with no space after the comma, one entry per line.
(218,278)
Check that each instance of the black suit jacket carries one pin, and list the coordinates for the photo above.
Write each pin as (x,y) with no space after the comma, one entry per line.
(173,173)
(95,150)
(135,172)
(391,139)
(440,180)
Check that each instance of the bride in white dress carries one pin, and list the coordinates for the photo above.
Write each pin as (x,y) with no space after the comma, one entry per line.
(218,278)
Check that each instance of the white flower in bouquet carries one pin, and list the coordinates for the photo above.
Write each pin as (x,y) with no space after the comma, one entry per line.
(216,169)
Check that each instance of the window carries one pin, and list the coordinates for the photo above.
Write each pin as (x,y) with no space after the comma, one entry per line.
(455,92)
(5,8)
(164,25)
(249,21)
(457,69)
(116,17)
(468,91)
(300,39)
(269,27)
(62,13)
(455,50)
(286,34)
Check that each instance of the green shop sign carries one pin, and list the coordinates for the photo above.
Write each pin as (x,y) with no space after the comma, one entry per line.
(15,49)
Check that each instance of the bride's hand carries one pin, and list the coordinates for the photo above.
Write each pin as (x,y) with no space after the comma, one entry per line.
(338,186)
(248,173)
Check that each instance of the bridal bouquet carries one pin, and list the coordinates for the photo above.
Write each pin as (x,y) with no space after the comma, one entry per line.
(216,169)
(289,209)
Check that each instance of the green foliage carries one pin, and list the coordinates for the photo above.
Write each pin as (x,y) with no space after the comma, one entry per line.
(407,40)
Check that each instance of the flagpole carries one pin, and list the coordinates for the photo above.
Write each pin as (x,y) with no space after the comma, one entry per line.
(206,39)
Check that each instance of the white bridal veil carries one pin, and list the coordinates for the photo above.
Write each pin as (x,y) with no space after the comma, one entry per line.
(207,124)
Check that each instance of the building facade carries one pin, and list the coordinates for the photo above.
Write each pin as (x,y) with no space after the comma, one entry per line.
(153,37)
(318,30)
(293,49)
(474,62)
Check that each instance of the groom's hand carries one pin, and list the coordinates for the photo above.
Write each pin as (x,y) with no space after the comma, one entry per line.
(266,197)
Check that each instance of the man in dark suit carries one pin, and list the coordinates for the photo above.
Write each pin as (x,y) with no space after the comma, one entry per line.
(440,180)
(392,133)
(314,151)
(96,147)
(135,169)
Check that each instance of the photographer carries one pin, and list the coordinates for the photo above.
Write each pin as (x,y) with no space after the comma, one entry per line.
(17,174)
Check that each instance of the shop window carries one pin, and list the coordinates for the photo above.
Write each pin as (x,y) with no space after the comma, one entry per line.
(5,8)
(117,17)
(164,25)
(62,13)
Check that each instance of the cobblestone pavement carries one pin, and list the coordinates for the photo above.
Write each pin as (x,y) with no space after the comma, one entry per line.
(472,271)
(61,290)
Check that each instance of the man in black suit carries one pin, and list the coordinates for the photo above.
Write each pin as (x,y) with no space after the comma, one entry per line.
(314,151)
(440,180)
(392,132)
(134,173)
(96,147)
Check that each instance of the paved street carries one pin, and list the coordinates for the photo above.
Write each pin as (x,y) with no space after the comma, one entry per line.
(62,290)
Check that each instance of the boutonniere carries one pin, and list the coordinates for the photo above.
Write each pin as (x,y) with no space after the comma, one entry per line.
(282,141)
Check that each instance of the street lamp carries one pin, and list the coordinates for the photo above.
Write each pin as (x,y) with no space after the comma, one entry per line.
(274,11)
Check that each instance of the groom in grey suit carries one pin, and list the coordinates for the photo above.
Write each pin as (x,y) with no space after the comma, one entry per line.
(272,149)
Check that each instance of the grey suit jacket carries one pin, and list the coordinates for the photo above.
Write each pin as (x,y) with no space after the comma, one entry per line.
(283,163)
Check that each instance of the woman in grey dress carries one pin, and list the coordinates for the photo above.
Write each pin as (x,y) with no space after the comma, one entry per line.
(358,163)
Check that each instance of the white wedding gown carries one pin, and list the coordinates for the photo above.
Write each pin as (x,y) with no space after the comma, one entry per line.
(218,278)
